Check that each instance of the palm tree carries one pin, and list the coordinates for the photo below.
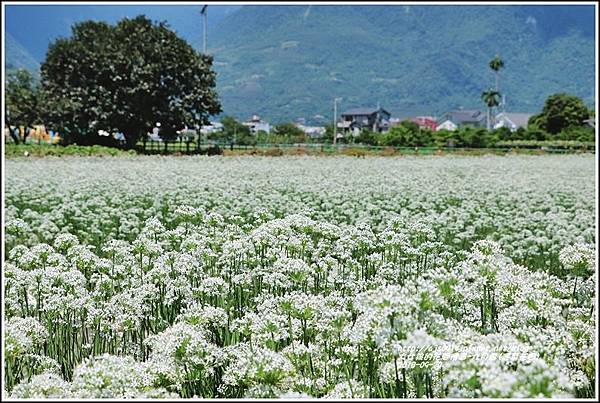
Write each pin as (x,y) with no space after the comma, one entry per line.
(496,64)
(491,98)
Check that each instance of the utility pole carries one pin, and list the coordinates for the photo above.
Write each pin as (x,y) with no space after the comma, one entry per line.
(204,14)
(234,135)
(335,100)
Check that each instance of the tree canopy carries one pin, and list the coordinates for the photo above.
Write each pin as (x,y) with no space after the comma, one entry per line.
(491,98)
(561,111)
(289,130)
(21,106)
(496,63)
(125,78)
(234,131)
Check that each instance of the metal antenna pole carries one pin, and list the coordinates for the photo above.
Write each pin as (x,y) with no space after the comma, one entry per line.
(334,120)
(205,15)
(205,23)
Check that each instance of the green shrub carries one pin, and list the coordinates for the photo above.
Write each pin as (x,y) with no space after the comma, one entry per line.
(12,150)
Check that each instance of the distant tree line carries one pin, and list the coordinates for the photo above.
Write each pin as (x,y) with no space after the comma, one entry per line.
(561,119)
(408,134)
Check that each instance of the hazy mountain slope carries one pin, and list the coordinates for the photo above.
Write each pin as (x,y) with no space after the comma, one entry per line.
(289,62)
(285,62)
(17,57)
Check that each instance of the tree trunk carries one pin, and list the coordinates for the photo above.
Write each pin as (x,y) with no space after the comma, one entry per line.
(13,135)
(130,139)
(497,82)
(488,118)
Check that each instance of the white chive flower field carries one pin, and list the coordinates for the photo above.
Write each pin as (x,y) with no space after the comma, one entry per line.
(335,277)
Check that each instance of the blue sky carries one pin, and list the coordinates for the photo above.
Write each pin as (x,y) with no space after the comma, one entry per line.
(35,26)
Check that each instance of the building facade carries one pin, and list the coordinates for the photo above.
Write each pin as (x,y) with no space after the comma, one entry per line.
(513,121)
(465,118)
(425,122)
(447,125)
(213,127)
(355,120)
(256,125)
(312,131)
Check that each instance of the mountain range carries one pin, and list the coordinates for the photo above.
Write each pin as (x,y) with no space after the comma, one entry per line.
(289,62)
(17,57)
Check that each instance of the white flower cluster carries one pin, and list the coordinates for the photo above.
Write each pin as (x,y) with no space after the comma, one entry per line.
(398,279)
(580,258)
(22,335)
(104,376)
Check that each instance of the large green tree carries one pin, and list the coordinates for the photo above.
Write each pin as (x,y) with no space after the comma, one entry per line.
(367,136)
(126,78)
(290,132)
(399,136)
(234,131)
(561,111)
(21,101)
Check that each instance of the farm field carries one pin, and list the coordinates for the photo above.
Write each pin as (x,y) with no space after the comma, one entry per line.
(334,277)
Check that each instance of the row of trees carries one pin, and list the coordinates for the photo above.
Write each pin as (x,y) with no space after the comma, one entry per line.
(408,134)
(562,118)
(122,78)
